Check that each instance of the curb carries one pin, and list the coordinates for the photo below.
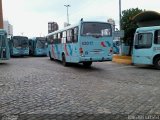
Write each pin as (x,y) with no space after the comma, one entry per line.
(122,59)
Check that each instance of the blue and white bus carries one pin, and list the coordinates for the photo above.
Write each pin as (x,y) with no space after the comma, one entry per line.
(19,46)
(85,43)
(4,47)
(146,48)
(38,46)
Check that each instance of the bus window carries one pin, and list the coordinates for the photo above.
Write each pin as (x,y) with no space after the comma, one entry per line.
(94,28)
(59,37)
(157,37)
(40,42)
(0,40)
(55,39)
(50,40)
(143,40)
(75,34)
(64,37)
(69,36)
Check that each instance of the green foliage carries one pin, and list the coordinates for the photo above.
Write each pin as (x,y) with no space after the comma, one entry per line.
(127,24)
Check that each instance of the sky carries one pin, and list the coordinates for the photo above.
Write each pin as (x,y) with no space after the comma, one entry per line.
(31,17)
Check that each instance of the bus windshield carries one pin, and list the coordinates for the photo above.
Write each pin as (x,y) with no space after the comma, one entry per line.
(95,28)
(20,42)
(143,40)
(40,43)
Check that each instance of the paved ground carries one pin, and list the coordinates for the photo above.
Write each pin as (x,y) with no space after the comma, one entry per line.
(37,88)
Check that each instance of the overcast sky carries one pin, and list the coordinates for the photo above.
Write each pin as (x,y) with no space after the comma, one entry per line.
(31,17)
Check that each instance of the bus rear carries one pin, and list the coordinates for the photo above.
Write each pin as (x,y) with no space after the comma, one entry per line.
(96,42)
(4,47)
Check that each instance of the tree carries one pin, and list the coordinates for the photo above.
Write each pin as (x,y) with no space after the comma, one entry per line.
(129,26)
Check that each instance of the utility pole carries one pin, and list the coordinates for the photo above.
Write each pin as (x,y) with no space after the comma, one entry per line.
(120,48)
(1,15)
(119,14)
(67,13)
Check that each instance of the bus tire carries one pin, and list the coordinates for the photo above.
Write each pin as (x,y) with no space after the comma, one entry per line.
(87,64)
(64,61)
(50,56)
(157,63)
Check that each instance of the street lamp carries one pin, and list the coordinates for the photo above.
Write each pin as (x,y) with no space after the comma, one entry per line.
(67,13)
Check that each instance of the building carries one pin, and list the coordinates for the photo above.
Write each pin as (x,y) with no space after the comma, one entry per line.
(52,26)
(8,27)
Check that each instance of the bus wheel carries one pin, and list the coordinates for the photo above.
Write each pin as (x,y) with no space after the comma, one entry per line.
(64,61)
(50,56)
(87,64)
(157,63)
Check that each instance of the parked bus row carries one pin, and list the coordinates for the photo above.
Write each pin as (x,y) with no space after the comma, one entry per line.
(22,46)
(85,42)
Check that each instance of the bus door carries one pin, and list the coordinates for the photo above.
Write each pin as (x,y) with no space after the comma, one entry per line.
(74,46)
(58,46)
(65,46)
(142,49)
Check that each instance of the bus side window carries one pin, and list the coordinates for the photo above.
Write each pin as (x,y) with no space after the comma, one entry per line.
(157,37)
(50,40)
(69,36)
(75,34)
(59,38)
(64,37)
(55,39)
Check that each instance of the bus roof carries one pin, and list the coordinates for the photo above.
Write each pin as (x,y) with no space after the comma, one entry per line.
(2,30)
(20,36)
(72,26)
(148,28)
(68,27)
(34,38)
